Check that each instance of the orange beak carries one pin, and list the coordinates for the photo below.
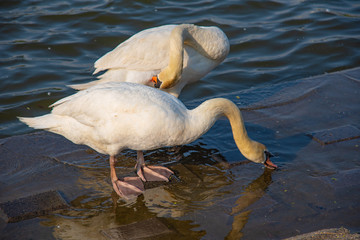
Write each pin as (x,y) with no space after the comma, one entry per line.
(267,162)
(156,81)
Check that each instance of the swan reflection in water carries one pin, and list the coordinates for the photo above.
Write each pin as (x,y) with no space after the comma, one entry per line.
(252,193)
(207,181)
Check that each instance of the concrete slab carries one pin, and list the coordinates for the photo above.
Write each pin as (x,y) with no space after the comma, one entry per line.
(325,234)
(182,174)
(139,230)
(315,187)
(309,105)
(32,206)
(337,134)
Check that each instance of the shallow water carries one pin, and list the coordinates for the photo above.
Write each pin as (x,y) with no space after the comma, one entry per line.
(48,45)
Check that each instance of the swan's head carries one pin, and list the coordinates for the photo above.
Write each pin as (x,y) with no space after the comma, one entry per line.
(260,154)
(165,81)
(156,81)
(165,84)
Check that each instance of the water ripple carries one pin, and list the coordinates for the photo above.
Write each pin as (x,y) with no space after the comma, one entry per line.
(48,45)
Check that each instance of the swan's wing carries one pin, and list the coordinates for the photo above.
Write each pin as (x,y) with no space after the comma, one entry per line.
(82,106)
(121,115)
(146,50)
(99,105)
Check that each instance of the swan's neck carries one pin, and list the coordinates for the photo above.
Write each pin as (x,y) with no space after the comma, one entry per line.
(203,117)
(212,44)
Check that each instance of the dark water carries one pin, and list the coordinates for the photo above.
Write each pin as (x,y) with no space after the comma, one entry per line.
(46,45)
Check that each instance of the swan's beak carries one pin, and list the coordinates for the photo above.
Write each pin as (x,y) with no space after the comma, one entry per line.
(156,81)
(267,162)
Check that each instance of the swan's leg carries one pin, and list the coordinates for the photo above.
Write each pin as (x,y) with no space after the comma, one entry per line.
(131,186)
(151,173)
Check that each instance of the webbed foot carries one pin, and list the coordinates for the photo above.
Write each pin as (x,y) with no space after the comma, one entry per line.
(129,187)
(154,173)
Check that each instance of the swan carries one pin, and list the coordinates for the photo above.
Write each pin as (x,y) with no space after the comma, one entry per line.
(170,56)
(114,116)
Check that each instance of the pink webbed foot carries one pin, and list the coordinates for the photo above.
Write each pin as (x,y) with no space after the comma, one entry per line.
(154,173)
(129,187)
(151,173)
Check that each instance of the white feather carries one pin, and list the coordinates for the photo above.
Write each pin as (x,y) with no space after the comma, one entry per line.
(147,53)
(114,116)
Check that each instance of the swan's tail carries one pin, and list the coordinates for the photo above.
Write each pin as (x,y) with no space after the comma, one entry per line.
(84,86)
(46,122)
(65,126)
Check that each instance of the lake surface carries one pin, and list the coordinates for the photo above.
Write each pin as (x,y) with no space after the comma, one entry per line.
(47,45)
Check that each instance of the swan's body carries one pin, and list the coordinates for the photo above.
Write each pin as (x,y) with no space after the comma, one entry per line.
(114,116)
(177,54)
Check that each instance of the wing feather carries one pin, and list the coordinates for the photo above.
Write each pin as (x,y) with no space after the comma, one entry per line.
(146,50)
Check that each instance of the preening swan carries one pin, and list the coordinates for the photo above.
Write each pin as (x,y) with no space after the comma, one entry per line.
(114,116)
(170,55)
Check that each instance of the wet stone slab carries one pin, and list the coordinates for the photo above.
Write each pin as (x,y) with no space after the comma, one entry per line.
(332,233)
(139,230)
(309,105)
(181,175)
(293,112)
(334,135)
(32,206)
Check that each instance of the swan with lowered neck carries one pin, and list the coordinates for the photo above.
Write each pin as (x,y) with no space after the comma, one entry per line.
(172,56)
(114,116)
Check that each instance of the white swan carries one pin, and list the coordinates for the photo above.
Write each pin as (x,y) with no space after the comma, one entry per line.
(176,54)
(114,116)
